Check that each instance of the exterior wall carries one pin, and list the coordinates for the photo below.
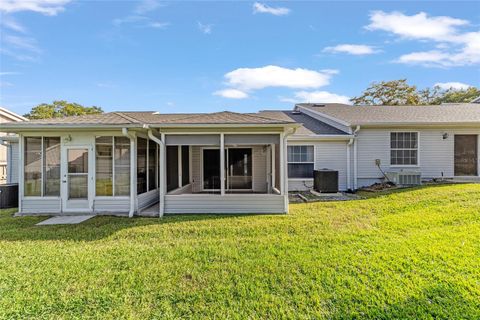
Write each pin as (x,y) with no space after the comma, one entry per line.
(329,155)
(436,155)
(229,203)
(259,168)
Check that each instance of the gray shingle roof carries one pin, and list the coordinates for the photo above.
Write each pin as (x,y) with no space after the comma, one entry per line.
(149,117)
(462,113)
(310,126)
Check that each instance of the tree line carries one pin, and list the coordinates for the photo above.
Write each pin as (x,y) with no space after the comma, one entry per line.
(395,93)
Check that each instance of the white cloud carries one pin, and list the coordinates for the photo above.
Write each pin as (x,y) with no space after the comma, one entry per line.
(453,47)
(318,96)
(355,49)
(263,8)
(159,25)
(146,6)
(418,26)
(12,24)
(24,43)
(452,85)
(231,94)
(5,84)
(8,73)
(46,7)
(274,76)
(205,28)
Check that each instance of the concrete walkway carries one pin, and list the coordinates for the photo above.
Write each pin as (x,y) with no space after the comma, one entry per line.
(64,220)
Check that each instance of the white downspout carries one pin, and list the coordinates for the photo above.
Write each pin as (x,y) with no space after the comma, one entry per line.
(349,165)
(285,167)
(132,169)
(161,205)
(355,159)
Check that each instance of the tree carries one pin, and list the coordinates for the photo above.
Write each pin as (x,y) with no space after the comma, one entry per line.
(399,92)
(396,92)
(458,96)
(59,109)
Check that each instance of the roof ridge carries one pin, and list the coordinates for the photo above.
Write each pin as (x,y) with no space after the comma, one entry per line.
(124,116)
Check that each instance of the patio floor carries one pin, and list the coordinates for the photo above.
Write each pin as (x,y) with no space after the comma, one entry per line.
(64,220)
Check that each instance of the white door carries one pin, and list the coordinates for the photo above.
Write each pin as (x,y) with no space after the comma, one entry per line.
(76,180)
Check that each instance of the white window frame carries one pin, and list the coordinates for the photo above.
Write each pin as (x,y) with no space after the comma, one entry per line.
(42,187)
(314,160)
(417,149)
(113,169)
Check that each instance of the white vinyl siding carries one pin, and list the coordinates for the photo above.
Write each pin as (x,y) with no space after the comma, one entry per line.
(436,155)
(328,155)
(229,203)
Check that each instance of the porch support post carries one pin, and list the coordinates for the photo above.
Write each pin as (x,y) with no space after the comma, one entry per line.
(273,173)
(222,164)
(163,176)
(179,160)
(282,164)
(21,180)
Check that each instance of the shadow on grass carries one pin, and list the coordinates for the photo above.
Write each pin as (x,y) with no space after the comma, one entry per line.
(99,227)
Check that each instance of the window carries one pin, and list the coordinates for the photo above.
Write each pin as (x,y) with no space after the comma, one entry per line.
(122,166)
(172,167)
(141,165)
(152,165)
(42,166)
(112,161)
(185,165)
(300,161)
(147,165)
(404,148)
(51,166)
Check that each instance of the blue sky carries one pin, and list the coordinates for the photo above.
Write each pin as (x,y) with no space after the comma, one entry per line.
(241,56)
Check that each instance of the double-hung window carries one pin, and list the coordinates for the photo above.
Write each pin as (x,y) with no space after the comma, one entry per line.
(404,148)
(112,162)
(42,166)
(300,161)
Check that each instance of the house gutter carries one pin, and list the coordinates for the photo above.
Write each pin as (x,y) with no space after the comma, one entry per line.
(355,158)
(132,167)
(161,196)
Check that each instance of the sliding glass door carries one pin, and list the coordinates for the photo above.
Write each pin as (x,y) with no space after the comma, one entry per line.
(238,171)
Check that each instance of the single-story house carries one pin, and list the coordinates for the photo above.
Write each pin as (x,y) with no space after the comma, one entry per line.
(148,163)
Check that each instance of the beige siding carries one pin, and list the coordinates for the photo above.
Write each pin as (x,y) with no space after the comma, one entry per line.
(241,203)
(436,155)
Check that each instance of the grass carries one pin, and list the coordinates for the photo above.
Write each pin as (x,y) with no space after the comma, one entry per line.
(403,254)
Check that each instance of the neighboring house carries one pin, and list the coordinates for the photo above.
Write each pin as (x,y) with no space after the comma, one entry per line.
(151,163)
(8,149)
(476,100)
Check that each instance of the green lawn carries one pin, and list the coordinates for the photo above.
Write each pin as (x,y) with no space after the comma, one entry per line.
(408,254)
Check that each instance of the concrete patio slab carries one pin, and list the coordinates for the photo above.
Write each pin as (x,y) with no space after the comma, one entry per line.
(64,220)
